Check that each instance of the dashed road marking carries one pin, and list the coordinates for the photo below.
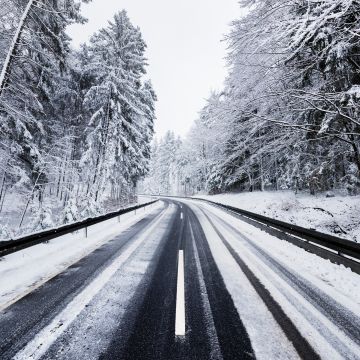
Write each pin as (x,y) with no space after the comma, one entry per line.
(180,298)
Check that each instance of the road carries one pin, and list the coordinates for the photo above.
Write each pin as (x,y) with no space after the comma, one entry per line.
(187,281)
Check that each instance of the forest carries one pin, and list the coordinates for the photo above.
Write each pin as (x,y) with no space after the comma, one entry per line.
(288,115)
(75,125)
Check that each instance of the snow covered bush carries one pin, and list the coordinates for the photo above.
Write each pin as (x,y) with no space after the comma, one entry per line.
(70,213)
(5,232)
(40,218)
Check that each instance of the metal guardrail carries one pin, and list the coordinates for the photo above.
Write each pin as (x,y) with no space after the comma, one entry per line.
(11,246)
(333,248)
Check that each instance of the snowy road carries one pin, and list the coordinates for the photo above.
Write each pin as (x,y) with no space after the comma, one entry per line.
(241,294)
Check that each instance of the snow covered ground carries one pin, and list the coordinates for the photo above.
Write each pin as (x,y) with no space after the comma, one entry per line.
(336,285)
(14,206)
(58,254)
(339,215)
(103,301)
(319,298)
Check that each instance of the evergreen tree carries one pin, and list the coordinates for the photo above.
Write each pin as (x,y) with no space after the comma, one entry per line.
(76,125)
(35,60)
(121,108)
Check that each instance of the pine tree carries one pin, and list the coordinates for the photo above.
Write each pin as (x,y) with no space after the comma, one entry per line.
(35,60)
(121,109)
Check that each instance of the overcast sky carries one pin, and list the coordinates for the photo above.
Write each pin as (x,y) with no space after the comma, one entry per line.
(185,51)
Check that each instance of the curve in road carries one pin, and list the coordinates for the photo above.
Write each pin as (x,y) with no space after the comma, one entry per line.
(241,301)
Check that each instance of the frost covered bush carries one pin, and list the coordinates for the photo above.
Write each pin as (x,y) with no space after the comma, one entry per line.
(6,233)
(40,218)
(71,212)
(351,181)
(90,208)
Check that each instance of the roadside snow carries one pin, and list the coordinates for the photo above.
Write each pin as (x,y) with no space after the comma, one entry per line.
(337,281)
(14,205)
(36,348)
(339,215)
(257,319)
(24,271)
(99,321)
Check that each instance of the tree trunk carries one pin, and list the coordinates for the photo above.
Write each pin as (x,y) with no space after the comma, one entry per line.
(261,175)
(2,199)
(276,175)
(6,69)
(356,156)
(2,185)
(29,199)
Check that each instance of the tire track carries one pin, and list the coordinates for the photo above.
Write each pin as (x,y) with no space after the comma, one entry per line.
(301,345)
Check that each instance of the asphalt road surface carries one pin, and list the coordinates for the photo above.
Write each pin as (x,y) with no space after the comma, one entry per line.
(185,282)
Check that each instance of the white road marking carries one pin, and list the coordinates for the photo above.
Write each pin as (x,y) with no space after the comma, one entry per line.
(37,347)
(181,216)
(180,298)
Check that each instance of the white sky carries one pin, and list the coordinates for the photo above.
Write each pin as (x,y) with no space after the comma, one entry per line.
(185,51)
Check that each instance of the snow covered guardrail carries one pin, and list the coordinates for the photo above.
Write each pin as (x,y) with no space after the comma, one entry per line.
(333,248)
(330,247)
(11,246)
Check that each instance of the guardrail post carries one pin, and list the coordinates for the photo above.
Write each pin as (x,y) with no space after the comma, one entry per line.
(86,232)
(118,218)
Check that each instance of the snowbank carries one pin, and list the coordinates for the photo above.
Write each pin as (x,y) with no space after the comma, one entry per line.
(14,206)
(339,215)
(19,276)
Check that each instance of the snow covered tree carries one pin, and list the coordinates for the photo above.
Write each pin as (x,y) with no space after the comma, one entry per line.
(167,165)
(289,110)
(76,126)
(35,60)
(121,107)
